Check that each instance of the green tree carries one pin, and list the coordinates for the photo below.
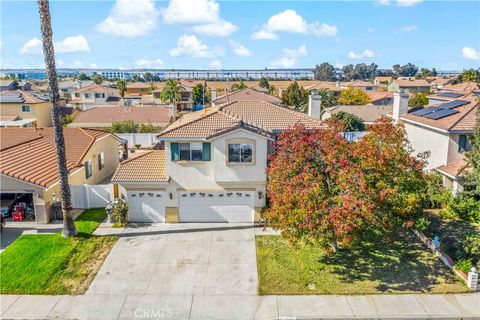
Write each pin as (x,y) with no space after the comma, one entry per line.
(351,96)
(148,77)
(68,229)
(406,70)
(151,87)
(327,97)
(122,87)
(272,90)
(98,79)
(351,121)
(419,99)
(296,97)
(172,92)
(198,94)
(325,72)
(472,174)
(239,86)
(127,126)
(148,128)
(263,83)
(82,76)
(470,75)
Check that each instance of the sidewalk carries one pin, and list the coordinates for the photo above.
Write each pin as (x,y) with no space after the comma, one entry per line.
(455,306)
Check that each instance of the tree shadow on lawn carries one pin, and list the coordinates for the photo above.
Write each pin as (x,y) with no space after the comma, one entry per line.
(404,264)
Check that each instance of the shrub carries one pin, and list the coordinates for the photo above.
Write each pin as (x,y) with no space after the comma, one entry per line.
(120,212)
(466,208)
(422,223)
(437,195)
(471,246)
(464,265)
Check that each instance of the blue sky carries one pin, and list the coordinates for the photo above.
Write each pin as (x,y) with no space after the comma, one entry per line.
(244,34)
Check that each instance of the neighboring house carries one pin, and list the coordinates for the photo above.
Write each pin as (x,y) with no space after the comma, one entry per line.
(409,85)
(382,81)
(28,163)
(138,88)
(8,85)
(69,86)
(213,165)
(454,91)
(321,85)
(24,85)
(95,95)
(443,130)
(28,108)
(381,98)
(104,117)
(368,113)
(438,82)
(359,84)
(247,94)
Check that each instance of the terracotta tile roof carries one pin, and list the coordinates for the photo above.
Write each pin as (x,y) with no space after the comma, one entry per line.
(248,94)
(324,85)
(462,119)
(92,116)
(259,116)
(368,113)
(412,83)
(358,83)
(146,167)
(383,79)
(463,87)
(138,85)
(98,88)
(454,169)
(379,95)
(29,154)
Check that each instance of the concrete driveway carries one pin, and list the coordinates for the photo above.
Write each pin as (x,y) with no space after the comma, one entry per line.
(197,259)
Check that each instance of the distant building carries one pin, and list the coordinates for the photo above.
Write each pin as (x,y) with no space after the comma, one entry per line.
(94,95)
(8,85)
(409,85)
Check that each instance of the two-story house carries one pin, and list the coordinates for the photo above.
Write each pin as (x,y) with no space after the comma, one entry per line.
(409,85)
(95,95)
(26,109)
(28,164)
(212,168)
(451,92)
(443,130)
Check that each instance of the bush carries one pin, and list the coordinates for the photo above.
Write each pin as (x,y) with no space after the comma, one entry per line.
(422,224)
(471,246)
(464,265)
(120,212)
(466,208)
(437,195)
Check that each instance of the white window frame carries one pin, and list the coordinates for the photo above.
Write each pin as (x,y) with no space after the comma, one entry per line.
(240,156)
(192,146)
(27,106)
(88,169)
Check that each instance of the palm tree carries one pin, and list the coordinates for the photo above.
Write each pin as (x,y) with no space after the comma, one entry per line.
(172,92)
(122,87)
(327,98)
(68,229)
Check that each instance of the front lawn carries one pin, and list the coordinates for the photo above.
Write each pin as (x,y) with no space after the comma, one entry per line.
(51,264)
(403,266)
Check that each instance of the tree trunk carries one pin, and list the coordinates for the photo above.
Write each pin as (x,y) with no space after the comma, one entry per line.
(68,229)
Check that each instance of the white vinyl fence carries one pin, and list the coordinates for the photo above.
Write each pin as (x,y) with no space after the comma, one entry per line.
(85,196)
(143,139)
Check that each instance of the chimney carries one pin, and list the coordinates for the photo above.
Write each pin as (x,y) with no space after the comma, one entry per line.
(213,94)
(172,112)
(400,105)
(314,105)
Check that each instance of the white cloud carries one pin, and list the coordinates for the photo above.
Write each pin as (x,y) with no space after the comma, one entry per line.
(240,49)
(32,46)
(203,15)
(92,66)
(220,28)
(409,28)
(284,62)
(383,2)
(470,53)
(290,21)
(408,3)
(294,53)
(215,64)
(149,63)
(68,45)
(130,19)
(193,47)
(76,64)
(364,54)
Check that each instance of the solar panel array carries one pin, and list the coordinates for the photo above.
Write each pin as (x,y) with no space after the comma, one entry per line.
(444,110)
(13,97)
(449,94)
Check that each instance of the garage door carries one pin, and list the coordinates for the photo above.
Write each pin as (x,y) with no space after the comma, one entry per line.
(232,206)
(146,206)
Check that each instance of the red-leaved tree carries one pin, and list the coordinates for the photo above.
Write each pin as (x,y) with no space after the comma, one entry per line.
(328,190)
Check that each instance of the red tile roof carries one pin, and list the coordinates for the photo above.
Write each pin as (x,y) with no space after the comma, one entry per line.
(248,94)
(118,114)
(146,167)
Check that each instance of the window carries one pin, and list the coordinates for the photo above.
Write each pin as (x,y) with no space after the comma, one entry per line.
(101,161)
(194,151)
(99,95)
(240,152)
(25,108)
(463,143)
(88,169)
(88,95)
(77,95)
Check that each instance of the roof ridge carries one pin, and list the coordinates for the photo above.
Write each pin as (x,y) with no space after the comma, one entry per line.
(139,156)
(171,128)
(465,114)
(23,142)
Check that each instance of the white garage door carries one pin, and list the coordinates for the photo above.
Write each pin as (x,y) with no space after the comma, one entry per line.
(146,206)
(231,206)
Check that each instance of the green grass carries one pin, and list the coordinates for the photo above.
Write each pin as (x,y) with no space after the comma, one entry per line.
(51,264)
(401,266)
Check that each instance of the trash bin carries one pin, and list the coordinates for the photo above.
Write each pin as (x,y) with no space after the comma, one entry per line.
(57,210)
(108,210)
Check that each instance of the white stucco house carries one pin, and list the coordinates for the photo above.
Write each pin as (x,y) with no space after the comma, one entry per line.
(442,129)
(212,168)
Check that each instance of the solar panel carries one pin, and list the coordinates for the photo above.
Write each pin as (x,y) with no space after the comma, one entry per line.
(453,104)
(426,111)
(476,93)
(440,114)
(12,98)
(450,94)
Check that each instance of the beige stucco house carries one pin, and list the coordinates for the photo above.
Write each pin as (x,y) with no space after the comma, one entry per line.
(28,163)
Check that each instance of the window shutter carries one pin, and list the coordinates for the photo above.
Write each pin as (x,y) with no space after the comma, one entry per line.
(206,152)
(175,151)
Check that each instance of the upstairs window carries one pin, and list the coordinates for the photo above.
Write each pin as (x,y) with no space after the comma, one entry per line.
(88,95)
(25,108)
(101,161)
(192,151)
(463,143)
(88,169)
(240,152)
(77,95)
(99,95)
